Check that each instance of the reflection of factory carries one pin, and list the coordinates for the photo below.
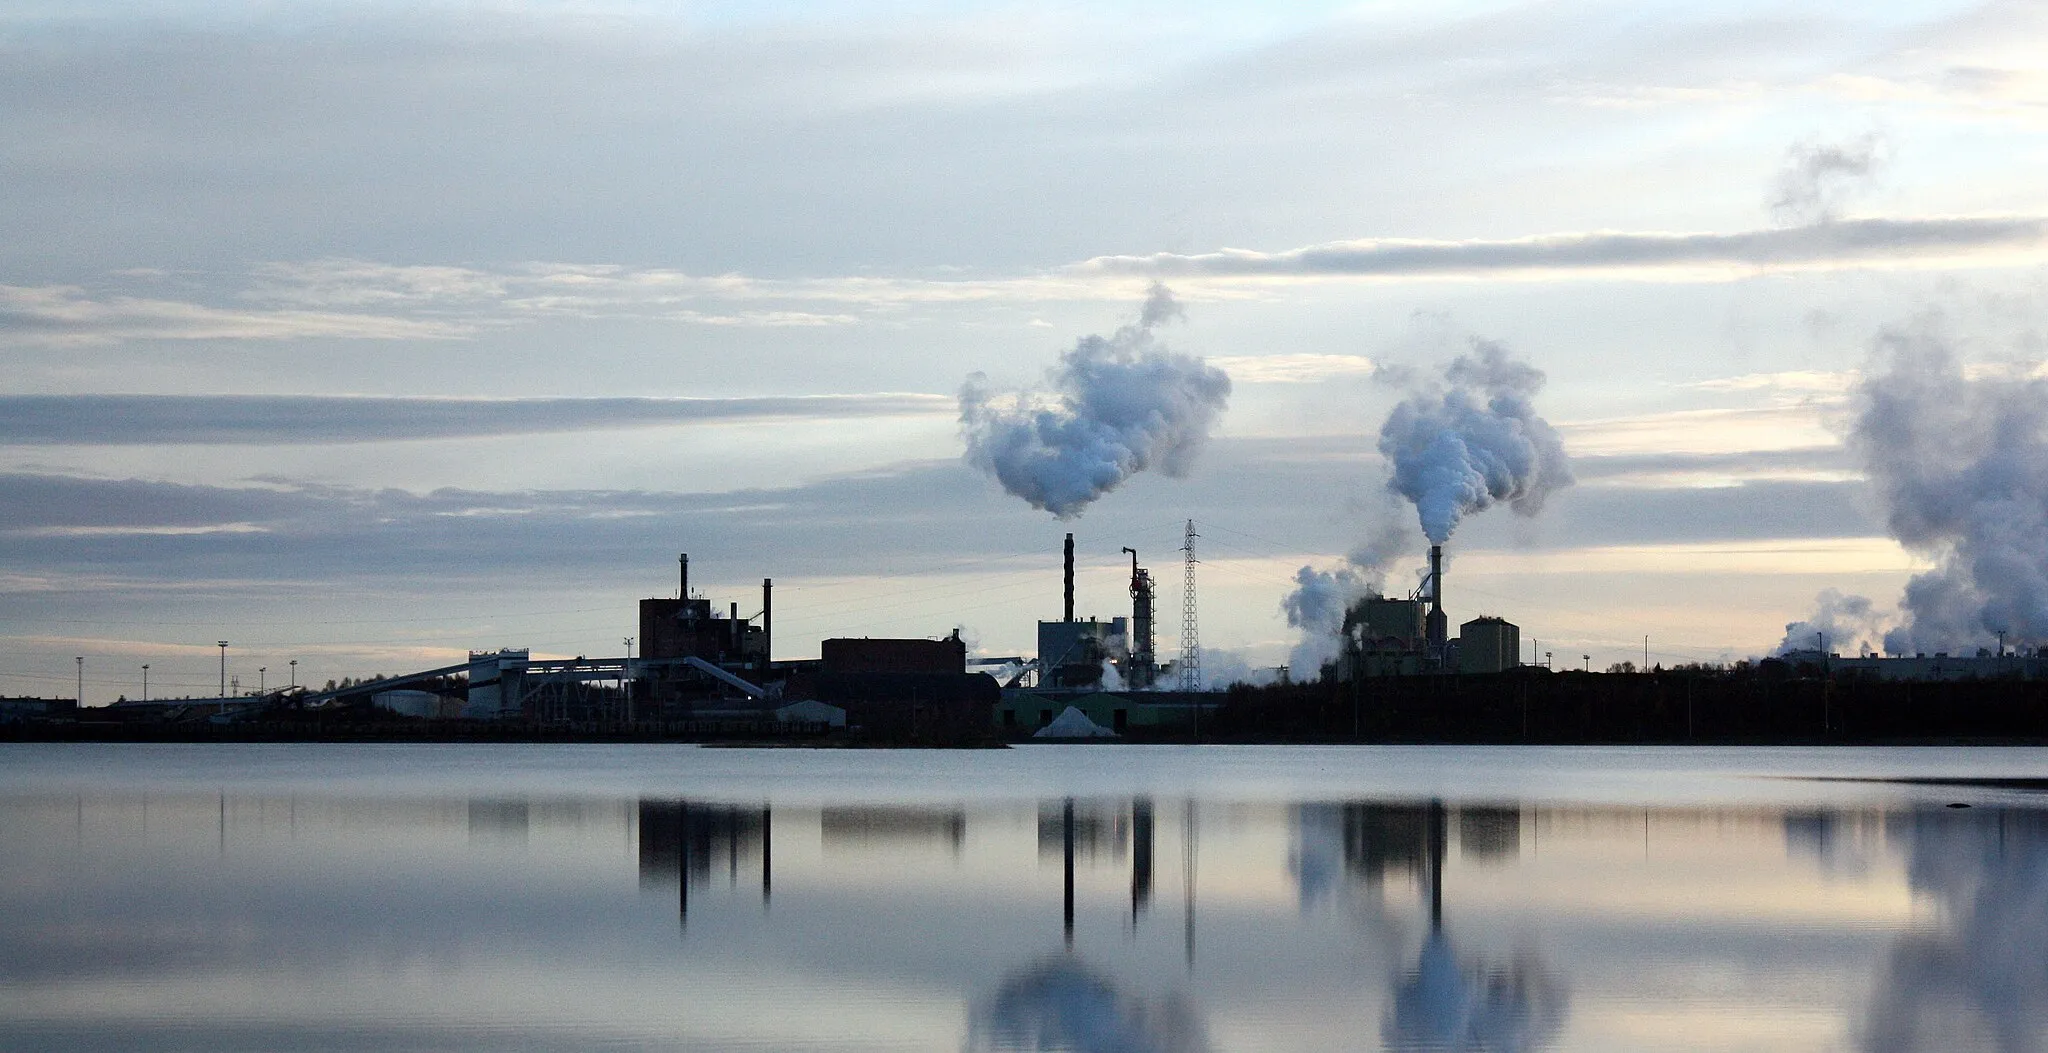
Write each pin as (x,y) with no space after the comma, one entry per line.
(689,841)
(1386,636)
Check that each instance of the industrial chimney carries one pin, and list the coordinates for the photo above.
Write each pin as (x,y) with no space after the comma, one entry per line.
(767,621)
(1438,628)
(684,560)
(1070,579)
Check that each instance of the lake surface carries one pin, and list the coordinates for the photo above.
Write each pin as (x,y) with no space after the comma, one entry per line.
(1093,898)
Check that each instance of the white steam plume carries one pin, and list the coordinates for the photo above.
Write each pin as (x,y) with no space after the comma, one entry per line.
(1848,624)
(1474,441)
(1321,597)
(1118,405)
(1960,465)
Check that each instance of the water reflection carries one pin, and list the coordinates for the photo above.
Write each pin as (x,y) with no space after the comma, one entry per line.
(686,843)
(1058,1004)
(1981,980)
(1449,1001)
(222,920)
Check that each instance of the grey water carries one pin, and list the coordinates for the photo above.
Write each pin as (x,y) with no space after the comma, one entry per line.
(1089,898)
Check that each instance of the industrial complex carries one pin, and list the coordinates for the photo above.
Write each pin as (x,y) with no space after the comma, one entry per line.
(705,669)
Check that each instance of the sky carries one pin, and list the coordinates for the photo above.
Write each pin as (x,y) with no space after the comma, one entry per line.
(361,335)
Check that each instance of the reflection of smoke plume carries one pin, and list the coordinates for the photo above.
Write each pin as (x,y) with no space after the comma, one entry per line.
(1817,178)
(1119,405)
(1474,442)
(1848,624)
(1982,982)
(1448,1004)
(1961,466)
(1058,1005)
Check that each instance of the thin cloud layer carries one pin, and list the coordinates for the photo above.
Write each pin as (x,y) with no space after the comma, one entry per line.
(63,314)
(46,420)
(1841,244)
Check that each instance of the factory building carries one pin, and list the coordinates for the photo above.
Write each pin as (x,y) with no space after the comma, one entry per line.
(1073,653)
(1489,645)
(868,655)
(1984,665)
(688,627)
(1386,636)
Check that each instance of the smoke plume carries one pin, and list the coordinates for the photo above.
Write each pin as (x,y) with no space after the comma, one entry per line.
(1960,465)
(1848,624)
(1474,441)
(1117,405)
(1321,596)
(1818,178)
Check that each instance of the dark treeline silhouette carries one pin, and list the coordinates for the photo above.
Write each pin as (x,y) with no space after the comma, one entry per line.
(1751,704)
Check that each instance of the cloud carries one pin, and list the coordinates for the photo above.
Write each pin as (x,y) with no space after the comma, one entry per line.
(1292,368)
(66,314)
(1846,243)
(1817,178)
(292,419)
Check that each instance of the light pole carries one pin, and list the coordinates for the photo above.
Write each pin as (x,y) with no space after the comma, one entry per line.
(81,679)
(223,676)
(627,674)
(145,681)
(1547,655)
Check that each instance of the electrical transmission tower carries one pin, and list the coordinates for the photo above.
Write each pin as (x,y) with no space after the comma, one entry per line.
(1190,639)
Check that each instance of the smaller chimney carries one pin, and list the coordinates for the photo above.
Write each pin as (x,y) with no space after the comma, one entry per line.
(684,560)
(1070,579)
(767,613)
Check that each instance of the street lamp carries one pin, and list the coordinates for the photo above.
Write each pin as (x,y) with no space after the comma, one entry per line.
(145,681)
(81,679)
(223,676)
(628,676)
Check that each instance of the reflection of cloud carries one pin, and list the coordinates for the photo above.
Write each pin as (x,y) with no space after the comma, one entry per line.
(1982,982)
(1058,1005)
(1449,1004)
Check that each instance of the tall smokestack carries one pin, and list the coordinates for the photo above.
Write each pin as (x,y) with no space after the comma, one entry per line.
(1436,578)
(1070,578)
(684,560)
(767,618)
(1437,628)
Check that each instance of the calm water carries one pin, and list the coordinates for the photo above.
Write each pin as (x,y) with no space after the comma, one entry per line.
(1233,898)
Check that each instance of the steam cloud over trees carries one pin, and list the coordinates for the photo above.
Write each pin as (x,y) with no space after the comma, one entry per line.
(1960,464)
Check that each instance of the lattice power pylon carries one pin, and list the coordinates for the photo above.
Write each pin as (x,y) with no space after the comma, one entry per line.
(1190,638)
